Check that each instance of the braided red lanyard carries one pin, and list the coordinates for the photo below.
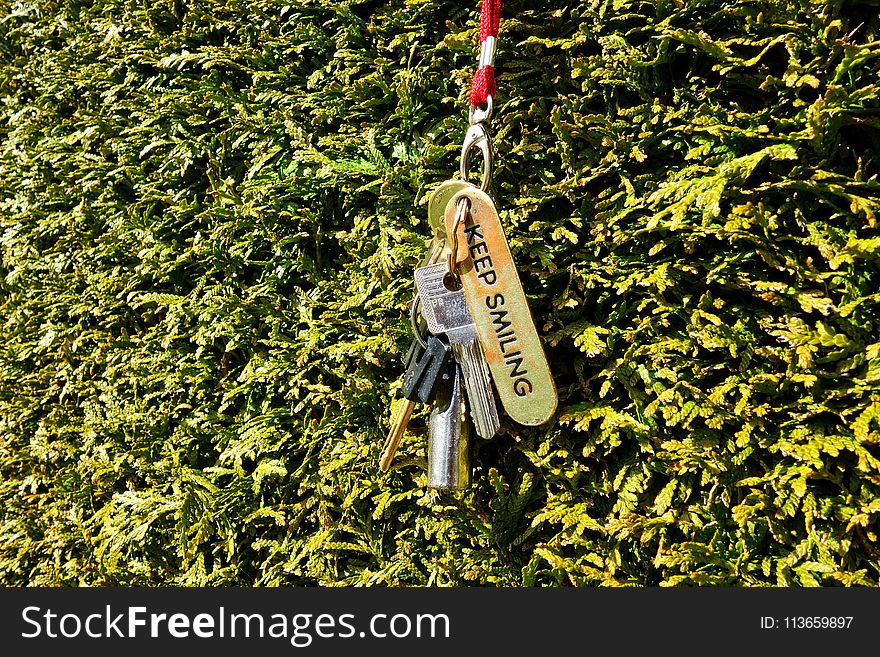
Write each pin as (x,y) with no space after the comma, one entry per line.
(483,85)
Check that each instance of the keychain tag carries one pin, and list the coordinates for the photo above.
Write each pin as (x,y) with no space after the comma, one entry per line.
(500,311)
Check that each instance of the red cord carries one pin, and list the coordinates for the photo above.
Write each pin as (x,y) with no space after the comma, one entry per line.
(483,84)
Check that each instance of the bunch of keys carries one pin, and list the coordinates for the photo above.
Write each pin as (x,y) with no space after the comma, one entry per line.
(475,340)
(474,335)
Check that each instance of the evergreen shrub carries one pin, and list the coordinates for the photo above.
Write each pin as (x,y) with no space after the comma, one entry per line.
(211,211)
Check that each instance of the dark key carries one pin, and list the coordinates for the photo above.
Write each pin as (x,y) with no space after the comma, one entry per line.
(426,367)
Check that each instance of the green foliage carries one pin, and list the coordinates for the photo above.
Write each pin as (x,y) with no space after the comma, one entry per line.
(210,216)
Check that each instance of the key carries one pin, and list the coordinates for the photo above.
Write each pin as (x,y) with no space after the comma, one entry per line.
(446,312)
(449,433)
(426,367)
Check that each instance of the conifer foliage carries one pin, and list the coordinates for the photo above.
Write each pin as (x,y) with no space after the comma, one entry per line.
(210,216)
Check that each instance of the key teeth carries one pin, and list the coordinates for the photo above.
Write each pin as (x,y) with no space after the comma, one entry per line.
(478,389)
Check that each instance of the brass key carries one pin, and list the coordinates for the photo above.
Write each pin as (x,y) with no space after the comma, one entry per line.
(426,367)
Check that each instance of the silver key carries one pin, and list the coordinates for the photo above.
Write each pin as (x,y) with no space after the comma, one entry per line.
(449,466)
(446,312)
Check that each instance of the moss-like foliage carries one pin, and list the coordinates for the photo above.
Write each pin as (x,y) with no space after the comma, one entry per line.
(210,216)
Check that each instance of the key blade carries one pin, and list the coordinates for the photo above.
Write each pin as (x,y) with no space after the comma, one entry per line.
(395,434)
(478,388)
(426,367)
(446,311)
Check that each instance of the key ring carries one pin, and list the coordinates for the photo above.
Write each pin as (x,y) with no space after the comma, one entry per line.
(421,336)
(464,206)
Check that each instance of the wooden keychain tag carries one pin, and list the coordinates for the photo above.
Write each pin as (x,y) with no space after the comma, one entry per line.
(500,311)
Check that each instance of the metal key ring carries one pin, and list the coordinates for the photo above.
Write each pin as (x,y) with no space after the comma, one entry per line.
(416,324)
